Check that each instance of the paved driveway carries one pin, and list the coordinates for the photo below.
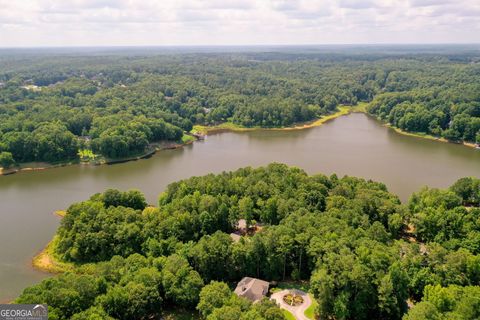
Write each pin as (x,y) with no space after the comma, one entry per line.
(298,311)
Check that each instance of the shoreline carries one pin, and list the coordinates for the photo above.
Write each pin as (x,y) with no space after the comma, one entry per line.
(199,131)
(417,134)
(426,136)
(45,166)
(231,127)
(41,166)
(46,261)
(60,213)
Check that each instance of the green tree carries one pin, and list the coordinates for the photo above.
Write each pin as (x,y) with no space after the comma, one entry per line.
(6,160)
(92,313)
(213,296)
(246,206)
(264,310)
(423,311)
(181,283)
(468,189)
(226,313)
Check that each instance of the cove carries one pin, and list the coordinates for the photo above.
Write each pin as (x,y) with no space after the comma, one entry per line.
(354,145)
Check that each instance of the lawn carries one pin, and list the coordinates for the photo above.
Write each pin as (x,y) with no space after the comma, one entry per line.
(310,312)
(201,129)
(299,285)
(288,315)
(186,138)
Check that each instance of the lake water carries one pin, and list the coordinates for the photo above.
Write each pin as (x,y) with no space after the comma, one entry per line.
(354,145)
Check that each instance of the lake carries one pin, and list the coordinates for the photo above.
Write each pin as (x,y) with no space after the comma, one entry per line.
(354,145)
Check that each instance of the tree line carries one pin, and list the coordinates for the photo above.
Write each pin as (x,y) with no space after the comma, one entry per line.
(443,102)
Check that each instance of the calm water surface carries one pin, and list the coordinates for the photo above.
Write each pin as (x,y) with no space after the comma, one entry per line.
(354,145)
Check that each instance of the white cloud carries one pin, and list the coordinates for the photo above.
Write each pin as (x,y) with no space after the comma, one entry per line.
(197,22)
(428,3)
(357,4)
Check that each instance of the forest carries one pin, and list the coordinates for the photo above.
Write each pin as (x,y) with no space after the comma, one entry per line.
(117,104)
(363,254)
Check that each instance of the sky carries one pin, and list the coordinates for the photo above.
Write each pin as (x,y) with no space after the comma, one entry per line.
(45,23)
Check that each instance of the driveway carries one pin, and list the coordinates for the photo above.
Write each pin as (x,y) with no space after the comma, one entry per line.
(298,311)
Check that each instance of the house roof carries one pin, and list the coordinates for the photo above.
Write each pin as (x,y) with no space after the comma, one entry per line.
(235,237)
(242,224)
(252,288)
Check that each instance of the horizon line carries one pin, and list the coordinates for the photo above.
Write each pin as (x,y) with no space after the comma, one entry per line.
(245,45)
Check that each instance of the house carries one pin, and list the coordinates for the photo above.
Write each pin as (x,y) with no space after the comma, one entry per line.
(242,226)
(252,289)
(241,230)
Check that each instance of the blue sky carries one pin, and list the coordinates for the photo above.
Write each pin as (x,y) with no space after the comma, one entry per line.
(236,22)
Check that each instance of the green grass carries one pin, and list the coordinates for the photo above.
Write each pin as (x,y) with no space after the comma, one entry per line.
(299,285)
(360,107)
(273,290)
(310,312)
(342,110)
(187,138)
(288,315)
(48,261)
(223,126)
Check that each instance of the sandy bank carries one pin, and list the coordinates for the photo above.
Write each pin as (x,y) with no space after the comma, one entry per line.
(47,262)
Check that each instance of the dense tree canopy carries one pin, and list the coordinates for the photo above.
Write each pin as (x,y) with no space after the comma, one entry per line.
(452,302)
(441,215)
(442,101)
(348,237)
(119,104)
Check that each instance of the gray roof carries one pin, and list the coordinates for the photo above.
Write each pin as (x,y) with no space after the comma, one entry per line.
(252,289)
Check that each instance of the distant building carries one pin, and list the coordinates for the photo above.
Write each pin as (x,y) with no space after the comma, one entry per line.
(242,225)
(252,289)
(240,229)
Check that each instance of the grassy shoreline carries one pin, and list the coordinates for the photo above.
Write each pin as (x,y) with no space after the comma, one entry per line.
(426,136)
(414,134)
(47,261)
(60,213)
(229,126)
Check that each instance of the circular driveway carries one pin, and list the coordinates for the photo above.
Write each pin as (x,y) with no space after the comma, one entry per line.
(297,311)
